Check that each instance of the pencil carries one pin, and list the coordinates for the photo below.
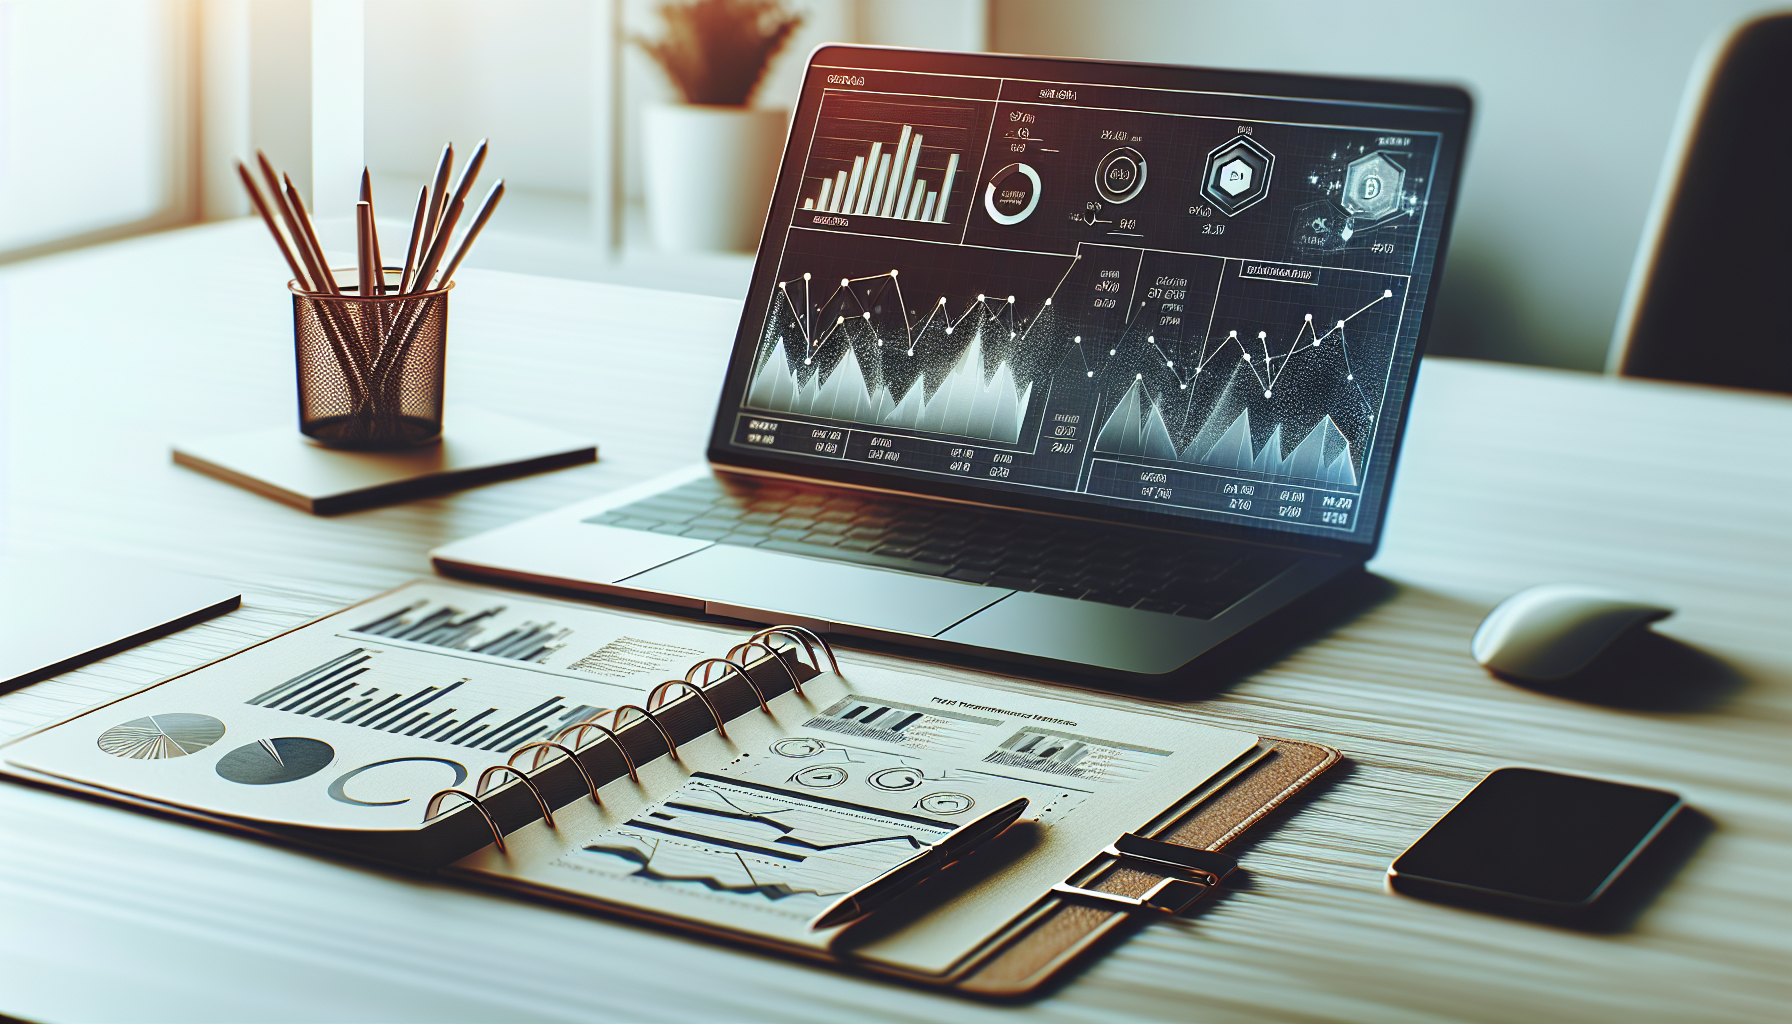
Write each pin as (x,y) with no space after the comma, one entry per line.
(469,173)
(438,193)
(466,241)
(352,356)
(414,316)
(267,217)
(426,271)
(373,234)
(395,352)
(410,257)
(320,282)
(363,250)
(438,246)
(308,231)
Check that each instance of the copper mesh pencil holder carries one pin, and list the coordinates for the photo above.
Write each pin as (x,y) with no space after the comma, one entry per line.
(370,368)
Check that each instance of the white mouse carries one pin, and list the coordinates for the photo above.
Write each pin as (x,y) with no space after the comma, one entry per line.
(1551,632)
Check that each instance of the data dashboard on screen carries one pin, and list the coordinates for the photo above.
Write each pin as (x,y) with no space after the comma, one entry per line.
(1195,302)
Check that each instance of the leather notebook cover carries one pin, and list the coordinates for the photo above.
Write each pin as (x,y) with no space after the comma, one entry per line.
(1060,932)
(1005,945)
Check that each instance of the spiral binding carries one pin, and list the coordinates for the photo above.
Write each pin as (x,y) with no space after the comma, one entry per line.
(435,808)
(621,748)
(804,637)
(590,783)
(485,778)
(734,663)
(616,723)
(659,694)
(738,670)
(795,683)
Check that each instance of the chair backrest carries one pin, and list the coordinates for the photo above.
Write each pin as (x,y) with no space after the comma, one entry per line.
(1710,299)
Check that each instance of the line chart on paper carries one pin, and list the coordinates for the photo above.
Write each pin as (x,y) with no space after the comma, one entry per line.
(790,851)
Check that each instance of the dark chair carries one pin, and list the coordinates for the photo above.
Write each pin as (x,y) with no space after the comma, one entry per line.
(1710,301)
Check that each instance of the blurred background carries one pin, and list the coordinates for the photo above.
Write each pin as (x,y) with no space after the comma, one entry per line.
(120,117)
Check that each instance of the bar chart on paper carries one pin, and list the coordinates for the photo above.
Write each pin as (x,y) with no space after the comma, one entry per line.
(457,712)
(922,728)
(487,631)
(1063,753)
(899,161)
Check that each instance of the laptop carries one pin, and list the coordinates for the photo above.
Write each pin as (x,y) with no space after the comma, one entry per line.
(1081,364)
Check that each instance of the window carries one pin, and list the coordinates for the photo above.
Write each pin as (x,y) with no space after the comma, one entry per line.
(95,101)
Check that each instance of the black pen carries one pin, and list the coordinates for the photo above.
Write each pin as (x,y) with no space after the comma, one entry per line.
(897,880)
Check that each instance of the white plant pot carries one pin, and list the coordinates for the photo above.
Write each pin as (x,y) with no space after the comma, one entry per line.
(709,173)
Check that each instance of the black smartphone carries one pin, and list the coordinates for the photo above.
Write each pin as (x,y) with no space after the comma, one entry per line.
(1534,843)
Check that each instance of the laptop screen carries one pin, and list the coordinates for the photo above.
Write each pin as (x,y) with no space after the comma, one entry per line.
(1178,295)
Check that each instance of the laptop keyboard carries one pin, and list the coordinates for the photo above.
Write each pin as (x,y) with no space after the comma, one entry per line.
(1134,568)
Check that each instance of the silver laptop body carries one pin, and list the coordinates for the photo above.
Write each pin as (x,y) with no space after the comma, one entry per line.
(1082,364)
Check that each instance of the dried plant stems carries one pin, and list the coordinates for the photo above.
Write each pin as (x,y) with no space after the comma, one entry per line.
(717,51)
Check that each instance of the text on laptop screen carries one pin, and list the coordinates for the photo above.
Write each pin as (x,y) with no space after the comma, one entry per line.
(1198,302)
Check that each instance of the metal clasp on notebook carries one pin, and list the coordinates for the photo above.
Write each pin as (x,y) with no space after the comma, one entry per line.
(1188,875)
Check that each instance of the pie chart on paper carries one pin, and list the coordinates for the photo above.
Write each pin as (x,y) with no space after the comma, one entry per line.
(162,736)
(266,762)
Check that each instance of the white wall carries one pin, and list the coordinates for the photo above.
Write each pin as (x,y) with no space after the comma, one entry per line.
(519,71)
(92,130)
(224,84)
(932,24)
(1575,100)
(279,40)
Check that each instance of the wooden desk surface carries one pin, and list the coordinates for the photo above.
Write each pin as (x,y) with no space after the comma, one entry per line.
(1511,477)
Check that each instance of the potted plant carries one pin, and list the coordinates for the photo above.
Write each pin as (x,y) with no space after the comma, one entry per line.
(710,162)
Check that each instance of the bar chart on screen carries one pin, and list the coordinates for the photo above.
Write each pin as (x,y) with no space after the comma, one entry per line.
(898,161)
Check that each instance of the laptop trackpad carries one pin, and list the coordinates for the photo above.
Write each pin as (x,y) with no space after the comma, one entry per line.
(743,579)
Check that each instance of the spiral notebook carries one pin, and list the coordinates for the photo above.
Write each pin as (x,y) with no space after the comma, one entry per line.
(689,776)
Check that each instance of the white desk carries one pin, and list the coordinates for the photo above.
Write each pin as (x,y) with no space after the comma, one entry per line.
(1511,477)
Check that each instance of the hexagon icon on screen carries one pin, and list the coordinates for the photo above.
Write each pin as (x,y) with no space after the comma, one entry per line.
(1237,175)
(1234,177)
(1373,186)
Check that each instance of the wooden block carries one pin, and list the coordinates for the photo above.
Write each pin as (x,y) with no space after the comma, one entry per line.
(477,447)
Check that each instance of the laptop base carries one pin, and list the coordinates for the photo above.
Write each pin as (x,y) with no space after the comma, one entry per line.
(563,550)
